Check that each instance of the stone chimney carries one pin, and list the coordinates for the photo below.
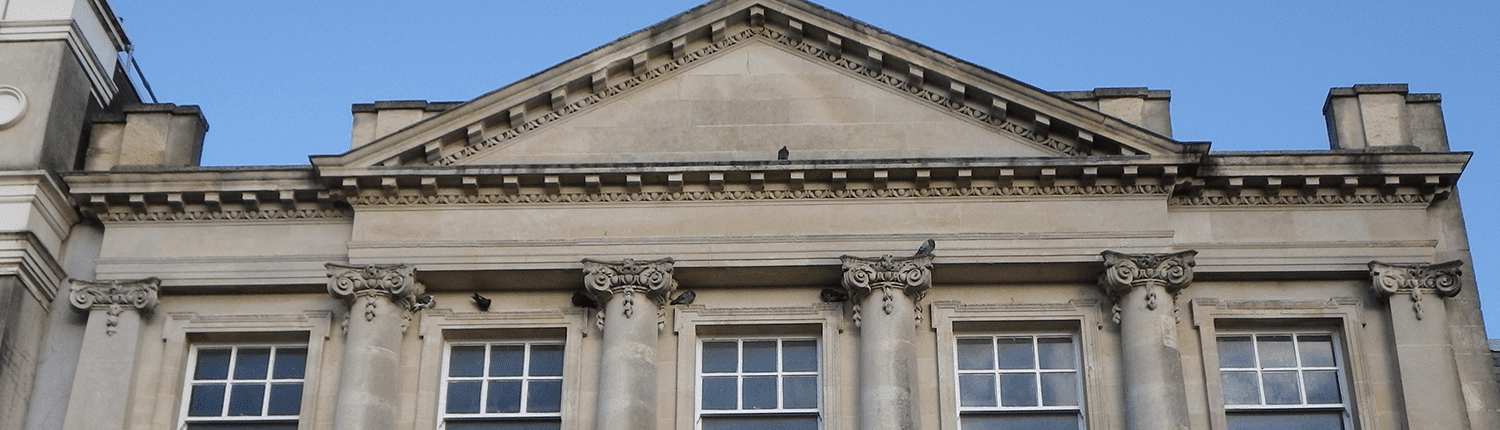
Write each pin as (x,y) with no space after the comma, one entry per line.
(165,135)
(1384,117)
(1144,107)
(373,121)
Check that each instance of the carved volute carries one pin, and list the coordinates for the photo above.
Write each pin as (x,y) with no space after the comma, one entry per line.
(1442,279)
(1125,272)
(113,297)
(396,281)
(604,279)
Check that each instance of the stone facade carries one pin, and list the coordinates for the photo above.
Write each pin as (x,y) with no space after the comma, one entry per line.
(755,214)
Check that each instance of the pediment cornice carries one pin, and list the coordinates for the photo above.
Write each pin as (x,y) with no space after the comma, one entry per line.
(977,95)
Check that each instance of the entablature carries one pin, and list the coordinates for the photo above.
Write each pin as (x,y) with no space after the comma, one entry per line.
(203,194)
(1244,179)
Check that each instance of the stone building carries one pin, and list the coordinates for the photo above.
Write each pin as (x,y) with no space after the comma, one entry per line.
(755,214)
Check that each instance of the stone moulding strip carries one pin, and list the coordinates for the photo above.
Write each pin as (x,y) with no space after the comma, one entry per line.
(764,195)
(1324,200)
(959,107)
(227,215)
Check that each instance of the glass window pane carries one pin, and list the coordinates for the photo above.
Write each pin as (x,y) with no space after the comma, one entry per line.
(291,363)
(760,356)
(799,392)
(246,399)
(283,425)
(1236,352)
(466,361)
(720,357)
(1060,389)
(1018,390)
(1281,388)
(1241,388)
(1015,353)
(286,399)
(777,422)
(976,354)
(976,390)
(1316,351)
(1055,353)
(252,363)
(463,397)
(1322,387)
(507,360)
(212,364)
(207,401)
(799,356)
(544,396)
(720,393)
(1312,420)
(1276,351)
(510,424)
(546,360)
(759,392)
(1067,421)
(505,397)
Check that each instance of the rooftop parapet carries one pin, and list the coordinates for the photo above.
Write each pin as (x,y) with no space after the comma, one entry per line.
(163,134)
(373,121)
(1384,117)
(1140,106)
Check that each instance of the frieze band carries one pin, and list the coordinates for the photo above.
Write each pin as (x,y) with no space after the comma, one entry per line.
(113,297)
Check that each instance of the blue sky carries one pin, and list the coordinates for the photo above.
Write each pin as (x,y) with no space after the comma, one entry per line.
(276,78)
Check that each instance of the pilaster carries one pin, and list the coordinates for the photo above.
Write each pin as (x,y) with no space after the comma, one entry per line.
(381,299)
(106,365)
(884,292)
(1430,385)
(627,371)
(1144,288)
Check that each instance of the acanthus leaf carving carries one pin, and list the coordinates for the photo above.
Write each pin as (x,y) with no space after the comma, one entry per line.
(605,279)
(1442,279)
(114,297)
(1125,272)
(368,282)
(863,276)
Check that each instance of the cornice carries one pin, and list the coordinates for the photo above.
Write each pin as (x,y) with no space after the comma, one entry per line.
(204,194)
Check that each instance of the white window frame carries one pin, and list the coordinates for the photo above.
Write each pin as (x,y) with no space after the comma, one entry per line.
(189,382)
(739,374)
(823,322)
(1076,318)
(1340,317)
(998,409)
(1338,361)
(441,327)
(485,381)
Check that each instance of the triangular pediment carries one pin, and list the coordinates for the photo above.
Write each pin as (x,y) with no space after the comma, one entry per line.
(737,80)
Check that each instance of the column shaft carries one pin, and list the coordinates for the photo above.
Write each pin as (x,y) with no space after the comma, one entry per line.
(627,372)
(888,355)
(1430,386)
(368,384)
(100,398)
(1155,397)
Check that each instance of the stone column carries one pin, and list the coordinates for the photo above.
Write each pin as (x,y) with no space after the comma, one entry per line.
(379,298)
(632,296)
(101,384)
(1433,394)
(1144,288)
(885,292)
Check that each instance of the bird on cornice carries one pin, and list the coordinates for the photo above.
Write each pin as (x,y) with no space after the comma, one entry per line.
(783,154)
(686,298)
(926,248)
(482,302)
(830,295)
(584,301)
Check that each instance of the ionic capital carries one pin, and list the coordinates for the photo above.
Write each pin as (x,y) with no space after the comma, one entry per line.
(113,297)
(1415,279)
(911,275)
(1124,272)
(396,281)
(603,279)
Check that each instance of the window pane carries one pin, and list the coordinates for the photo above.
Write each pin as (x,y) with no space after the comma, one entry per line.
(1313,420)
(463,397)
(291,363)
(212,364)
(1316,351)
(760,356)
(720,357)
(466,361)
(1015,352)
(1241,388)
(777,422)
(1322,387)
(244,426)
(544,396)
(799,356)
(505,397)
(759,392)
(1055,353)
(976,354)
(1017,421)
(546,360)
(720,393)
(252,363)
(1236,352)
(1060,389)
(1018,390)
(507,360)
(246,399)
(799,392)
(286,399)
(1276,351)
(207,401)
(976,390)
(1281,388)
(542,424)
